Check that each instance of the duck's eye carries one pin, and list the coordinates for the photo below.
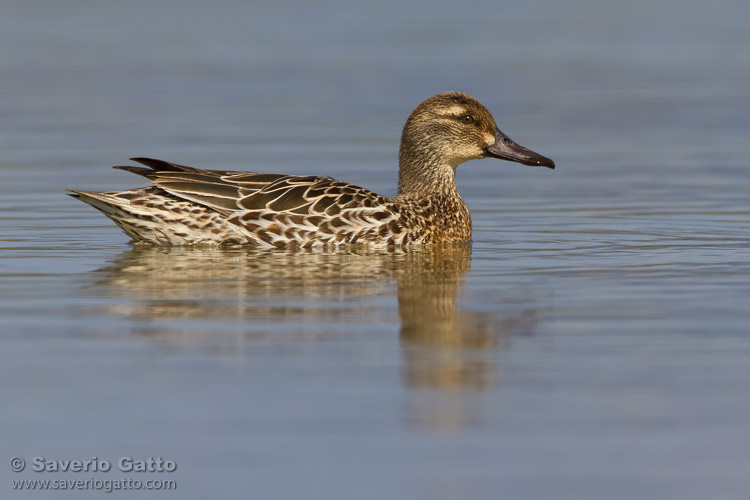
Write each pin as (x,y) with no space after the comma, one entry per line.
(468,119)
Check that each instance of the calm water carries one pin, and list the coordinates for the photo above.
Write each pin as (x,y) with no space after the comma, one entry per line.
(592,343)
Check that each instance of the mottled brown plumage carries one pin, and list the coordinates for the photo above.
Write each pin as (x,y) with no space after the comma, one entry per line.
(188,206)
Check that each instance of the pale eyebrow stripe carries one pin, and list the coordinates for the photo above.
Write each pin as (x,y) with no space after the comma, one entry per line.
(455,110)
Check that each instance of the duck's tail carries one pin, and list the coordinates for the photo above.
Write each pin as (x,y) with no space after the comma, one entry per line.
(151,215)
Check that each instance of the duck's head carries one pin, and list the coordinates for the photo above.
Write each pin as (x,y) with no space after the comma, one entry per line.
(451,128)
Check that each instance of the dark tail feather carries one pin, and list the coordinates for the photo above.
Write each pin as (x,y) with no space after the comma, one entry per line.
(161,166)
(155,167)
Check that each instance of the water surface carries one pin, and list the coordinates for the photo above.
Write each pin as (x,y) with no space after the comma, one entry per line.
(591,343)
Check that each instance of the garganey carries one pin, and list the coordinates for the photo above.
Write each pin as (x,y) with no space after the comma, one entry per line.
(192,206)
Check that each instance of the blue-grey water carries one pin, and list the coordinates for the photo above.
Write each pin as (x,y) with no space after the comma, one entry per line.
(594,342)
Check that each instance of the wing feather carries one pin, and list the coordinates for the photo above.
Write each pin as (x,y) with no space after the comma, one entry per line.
(269,198)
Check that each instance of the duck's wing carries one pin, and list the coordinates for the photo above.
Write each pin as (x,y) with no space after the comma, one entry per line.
(230,192)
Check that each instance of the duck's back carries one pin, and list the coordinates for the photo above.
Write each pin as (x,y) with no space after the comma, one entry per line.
(189,206)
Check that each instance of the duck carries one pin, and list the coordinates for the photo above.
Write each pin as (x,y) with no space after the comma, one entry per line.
(193,206)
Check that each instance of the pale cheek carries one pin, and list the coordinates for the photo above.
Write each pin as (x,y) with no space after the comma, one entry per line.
(470,152)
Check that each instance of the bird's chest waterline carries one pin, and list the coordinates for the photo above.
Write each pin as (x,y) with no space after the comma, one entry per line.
(439,218)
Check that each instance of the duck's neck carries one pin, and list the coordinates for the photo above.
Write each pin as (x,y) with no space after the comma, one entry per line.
(427,187)
(425,174)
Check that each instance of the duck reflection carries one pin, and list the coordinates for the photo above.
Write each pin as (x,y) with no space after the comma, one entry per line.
(319,295)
